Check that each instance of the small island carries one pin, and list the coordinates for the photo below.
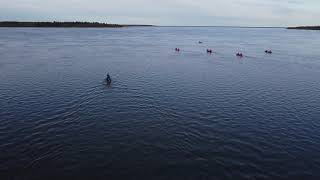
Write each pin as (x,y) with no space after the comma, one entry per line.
(56,24)
(305,28)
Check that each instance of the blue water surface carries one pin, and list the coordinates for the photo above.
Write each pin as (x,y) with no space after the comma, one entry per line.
(167,115)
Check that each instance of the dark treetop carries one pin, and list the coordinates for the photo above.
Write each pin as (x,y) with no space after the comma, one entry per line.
(58,24)
(306,27)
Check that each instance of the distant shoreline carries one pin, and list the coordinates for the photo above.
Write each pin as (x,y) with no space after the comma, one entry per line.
(78,24)
(305,28)
(55,24)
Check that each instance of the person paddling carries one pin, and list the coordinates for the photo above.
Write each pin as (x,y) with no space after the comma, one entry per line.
(239,54)
(108,79)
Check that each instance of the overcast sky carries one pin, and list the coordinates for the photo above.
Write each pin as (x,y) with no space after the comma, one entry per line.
(167,12)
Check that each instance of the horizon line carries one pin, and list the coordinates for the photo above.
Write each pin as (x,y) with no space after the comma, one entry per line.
(229,26)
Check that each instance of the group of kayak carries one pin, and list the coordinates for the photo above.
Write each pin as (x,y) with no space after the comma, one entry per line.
(209,51)
(239,54)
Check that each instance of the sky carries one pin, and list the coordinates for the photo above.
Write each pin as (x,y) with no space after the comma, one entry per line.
(167,12)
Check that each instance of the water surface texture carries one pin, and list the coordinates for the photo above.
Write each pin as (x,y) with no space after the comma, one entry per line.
(167,115)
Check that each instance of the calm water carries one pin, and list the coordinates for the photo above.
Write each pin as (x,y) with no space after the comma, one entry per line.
(167,115)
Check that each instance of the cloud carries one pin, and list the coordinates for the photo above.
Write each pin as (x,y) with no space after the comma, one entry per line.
(167,12)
